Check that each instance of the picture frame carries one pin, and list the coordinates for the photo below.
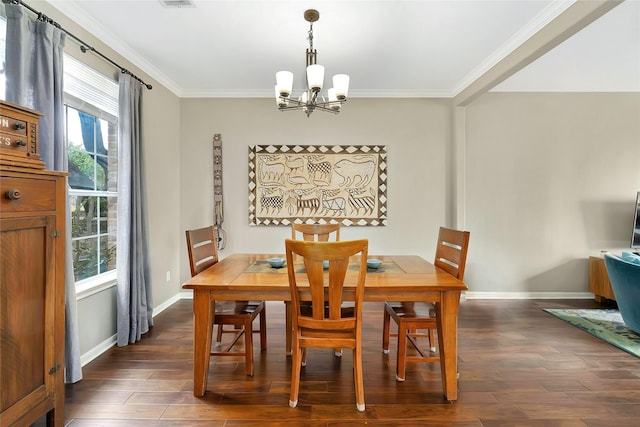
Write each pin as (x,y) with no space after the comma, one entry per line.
(318,184)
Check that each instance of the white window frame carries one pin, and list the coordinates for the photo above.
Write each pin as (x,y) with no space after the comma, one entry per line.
(76,82)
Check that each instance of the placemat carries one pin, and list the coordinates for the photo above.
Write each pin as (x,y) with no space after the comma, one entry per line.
(262,266)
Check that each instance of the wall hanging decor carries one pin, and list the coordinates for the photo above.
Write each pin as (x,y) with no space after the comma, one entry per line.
(218,212)
(344,184)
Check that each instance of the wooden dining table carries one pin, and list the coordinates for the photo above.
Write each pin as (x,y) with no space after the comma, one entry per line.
(399,278)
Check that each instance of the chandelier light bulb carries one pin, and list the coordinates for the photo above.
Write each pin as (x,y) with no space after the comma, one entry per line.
(341,85)
(315,77)
(284,83)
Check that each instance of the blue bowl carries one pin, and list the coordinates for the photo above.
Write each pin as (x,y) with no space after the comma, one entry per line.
(373,263)
(276,262)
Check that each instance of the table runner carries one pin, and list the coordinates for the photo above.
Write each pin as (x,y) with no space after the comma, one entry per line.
(262,266)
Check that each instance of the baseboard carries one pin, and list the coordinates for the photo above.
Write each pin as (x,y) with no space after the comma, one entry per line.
(168,303)
(527,295)
(98,350)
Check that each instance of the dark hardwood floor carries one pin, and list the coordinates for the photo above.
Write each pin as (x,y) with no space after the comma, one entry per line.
(518,365)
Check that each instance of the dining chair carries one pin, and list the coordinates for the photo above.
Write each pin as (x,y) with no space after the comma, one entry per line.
(451,256)
(316,233)
(325,326)
(203,253)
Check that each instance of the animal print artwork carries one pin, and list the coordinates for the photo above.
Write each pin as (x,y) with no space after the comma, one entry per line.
(344,184)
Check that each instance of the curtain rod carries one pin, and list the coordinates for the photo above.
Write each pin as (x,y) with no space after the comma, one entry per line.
(84,47)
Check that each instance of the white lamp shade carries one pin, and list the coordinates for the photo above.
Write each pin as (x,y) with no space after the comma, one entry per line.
(341,85)
(315,76)
(284,83)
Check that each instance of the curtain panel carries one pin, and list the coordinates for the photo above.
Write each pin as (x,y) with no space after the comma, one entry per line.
(135,306)
(34,71)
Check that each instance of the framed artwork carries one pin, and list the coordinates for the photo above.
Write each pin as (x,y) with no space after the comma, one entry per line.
(318,184)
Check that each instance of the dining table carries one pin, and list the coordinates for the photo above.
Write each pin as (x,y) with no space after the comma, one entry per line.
(245,276)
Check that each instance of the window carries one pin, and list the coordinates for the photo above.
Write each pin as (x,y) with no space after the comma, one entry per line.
(92,149)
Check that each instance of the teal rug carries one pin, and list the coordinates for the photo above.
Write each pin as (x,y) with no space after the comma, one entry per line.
(605,324)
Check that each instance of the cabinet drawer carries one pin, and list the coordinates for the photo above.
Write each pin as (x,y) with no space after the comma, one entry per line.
(13,125)
(10,141)
(22,195)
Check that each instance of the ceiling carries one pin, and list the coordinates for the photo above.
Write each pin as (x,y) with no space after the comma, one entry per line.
(430,48)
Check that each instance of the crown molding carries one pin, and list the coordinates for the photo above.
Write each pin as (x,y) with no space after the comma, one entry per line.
(353,94)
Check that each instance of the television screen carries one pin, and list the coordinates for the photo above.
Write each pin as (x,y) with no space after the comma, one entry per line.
(635,238)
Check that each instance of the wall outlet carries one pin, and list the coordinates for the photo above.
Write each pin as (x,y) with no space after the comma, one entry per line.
(168,276)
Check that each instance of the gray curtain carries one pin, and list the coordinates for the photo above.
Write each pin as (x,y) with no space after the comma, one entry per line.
(134,286)
(34,73)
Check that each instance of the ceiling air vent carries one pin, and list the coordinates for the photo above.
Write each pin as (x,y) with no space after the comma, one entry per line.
(177,3)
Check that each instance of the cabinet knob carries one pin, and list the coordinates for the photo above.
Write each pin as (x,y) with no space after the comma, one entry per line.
(13,194)
(21,143)
(19,126)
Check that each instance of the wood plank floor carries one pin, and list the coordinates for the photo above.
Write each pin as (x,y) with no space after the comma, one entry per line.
(519,366)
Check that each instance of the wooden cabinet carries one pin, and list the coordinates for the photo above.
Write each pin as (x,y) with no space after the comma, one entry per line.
(599,279)
(32,272)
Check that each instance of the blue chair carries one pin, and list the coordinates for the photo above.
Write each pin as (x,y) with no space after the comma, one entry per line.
(625,281)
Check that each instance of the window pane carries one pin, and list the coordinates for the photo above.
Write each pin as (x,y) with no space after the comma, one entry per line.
(104,214)
(107,254)
(85,258)
(103,138)
(81,168)
(102,173)
(74,132)
(84,211)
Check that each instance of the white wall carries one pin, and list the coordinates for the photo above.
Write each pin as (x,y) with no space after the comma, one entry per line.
(415,131)
(549,180)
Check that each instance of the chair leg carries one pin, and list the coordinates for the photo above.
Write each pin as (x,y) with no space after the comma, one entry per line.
(219,333)
(401,362)
(385,332)
(358,376)
(288,325)
(296,362)
(248,346)
(432,341)
(263,329)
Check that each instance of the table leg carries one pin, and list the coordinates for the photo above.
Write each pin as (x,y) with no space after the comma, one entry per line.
(447,315)
(202,329)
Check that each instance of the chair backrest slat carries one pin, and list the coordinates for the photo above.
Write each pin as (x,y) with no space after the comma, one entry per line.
(451,251)
(202,248)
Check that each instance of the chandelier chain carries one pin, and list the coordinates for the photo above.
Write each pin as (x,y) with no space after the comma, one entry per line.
(310,37)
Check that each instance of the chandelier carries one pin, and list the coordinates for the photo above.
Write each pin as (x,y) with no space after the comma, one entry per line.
(311,99)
